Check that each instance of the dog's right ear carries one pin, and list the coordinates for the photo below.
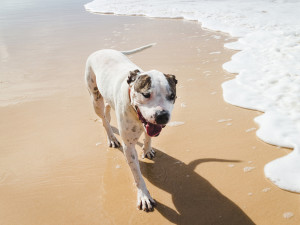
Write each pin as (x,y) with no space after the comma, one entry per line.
(132,76)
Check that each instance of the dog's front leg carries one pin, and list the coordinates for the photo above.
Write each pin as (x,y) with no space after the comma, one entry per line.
(148,152)
(144,200)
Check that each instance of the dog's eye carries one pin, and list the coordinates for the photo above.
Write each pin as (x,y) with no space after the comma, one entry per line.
(146,95)
(171,97)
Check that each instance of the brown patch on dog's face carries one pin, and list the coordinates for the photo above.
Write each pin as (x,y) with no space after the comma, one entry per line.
(172,83)
(143,84)
(132,76)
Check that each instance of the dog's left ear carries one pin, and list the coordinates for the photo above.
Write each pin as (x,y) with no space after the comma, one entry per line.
(132,76)
(171,78)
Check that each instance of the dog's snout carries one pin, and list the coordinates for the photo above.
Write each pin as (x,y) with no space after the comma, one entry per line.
(162,117)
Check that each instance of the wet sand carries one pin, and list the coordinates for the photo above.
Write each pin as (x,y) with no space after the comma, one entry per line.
(55,166)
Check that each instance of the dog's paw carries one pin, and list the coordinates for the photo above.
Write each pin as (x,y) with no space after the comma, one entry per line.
(144,201)
(113,142)
(149,154)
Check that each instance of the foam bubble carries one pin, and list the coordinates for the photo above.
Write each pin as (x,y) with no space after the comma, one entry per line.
(250,129)
(183,105)
(248,169)
(288,215)
(224,120)
(266,190)
(175,123)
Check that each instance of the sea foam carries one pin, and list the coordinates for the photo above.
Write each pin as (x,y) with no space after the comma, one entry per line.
(268,63)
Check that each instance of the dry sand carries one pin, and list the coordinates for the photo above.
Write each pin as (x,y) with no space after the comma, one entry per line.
(55,166)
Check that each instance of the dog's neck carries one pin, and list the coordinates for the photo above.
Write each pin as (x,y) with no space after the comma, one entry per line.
(129,96)
(135,108)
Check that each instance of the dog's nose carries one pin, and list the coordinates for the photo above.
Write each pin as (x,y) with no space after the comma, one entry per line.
(162,117)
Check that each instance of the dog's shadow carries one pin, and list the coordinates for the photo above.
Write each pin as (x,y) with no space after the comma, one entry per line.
(195,199)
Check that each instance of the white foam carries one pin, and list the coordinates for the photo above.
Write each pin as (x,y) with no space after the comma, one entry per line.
(248,169)
(284,172)
(224,120)
(250,129)
(216,36)
(175,123)
(183,105)
(266,190)
(268,65)
(288,215)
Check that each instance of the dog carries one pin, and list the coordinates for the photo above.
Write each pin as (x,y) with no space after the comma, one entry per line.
(142,101)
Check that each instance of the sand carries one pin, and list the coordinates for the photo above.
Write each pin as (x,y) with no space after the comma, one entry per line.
(56,168)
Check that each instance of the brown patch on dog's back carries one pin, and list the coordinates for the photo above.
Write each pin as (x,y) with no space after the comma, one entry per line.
(143,84)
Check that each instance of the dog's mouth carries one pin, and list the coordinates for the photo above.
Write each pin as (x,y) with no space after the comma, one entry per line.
(153,130)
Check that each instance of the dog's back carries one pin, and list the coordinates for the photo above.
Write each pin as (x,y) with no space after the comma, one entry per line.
(107,68)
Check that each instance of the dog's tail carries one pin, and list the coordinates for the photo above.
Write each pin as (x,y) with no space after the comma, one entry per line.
(137,49)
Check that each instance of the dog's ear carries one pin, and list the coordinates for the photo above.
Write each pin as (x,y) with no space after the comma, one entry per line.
(171,78)
(132,76)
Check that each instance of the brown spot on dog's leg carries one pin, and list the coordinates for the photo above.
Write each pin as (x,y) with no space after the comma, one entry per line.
(96,94)
(133,129)
(99,95)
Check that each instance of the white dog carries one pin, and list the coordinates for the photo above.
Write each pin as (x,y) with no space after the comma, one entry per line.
(143,102)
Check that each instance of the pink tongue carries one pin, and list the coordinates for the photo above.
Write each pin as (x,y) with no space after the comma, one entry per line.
(153,130)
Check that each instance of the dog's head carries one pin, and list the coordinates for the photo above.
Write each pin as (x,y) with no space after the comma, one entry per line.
(153,95)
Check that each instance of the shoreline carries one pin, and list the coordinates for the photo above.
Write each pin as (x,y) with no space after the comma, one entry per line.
(55,165)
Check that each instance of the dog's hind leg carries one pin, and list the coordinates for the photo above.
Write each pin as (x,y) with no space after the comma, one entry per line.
(107,112)
(101,110)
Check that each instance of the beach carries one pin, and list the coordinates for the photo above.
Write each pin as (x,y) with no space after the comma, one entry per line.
(55,165)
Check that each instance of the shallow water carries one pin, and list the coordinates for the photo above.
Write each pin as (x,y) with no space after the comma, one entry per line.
(39,41)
